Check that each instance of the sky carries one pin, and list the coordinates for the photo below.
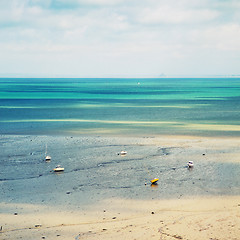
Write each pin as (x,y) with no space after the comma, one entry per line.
(119,38)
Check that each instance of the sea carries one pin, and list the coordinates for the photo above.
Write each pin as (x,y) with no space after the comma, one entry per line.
(83,124)
(120,106)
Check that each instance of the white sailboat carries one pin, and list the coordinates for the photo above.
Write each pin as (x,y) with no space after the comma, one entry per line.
(47,157)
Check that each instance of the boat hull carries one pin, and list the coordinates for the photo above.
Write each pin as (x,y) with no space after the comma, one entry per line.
(154,181)
(190,164)
(48,158)
(58,170)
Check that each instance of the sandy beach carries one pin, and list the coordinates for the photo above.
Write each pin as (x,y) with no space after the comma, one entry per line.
(139,211)
(195,219)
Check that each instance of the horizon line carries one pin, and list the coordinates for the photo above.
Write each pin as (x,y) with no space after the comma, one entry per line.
(123,76)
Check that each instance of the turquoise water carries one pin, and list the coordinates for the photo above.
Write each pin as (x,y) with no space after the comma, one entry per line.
(141,107)
(166,106)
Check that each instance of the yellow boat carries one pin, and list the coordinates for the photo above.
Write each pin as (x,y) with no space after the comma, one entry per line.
(154,181)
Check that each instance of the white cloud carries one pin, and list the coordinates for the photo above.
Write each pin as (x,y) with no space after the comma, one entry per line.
(225,37)
(165,14)
(101,2)
(144,34)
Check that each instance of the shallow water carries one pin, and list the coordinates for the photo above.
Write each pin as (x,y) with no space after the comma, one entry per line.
(183,106)
(115,107)
(94,171)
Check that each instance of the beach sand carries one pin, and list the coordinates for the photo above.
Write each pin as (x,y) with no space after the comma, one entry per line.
(193,217)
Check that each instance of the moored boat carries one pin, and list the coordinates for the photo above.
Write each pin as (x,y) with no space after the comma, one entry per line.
(48,158)
(190,164)
(123,153)
(58,168)
(154,181)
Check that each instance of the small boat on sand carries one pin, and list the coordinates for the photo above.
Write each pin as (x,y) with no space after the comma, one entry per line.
(48,158)
(190,164)
(58,168)
(154,181)
(122,153)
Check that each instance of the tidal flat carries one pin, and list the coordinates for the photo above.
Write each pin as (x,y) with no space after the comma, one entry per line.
(98,184)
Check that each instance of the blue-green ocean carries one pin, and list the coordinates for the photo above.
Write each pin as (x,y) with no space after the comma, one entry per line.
(93,116)
(115,106)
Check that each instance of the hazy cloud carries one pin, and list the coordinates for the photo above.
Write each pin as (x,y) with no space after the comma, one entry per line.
(113,37)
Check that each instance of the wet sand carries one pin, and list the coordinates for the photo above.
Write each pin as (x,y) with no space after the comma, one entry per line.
(199,214)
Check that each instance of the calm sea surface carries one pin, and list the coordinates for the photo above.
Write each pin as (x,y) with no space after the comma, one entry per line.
(174,106)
